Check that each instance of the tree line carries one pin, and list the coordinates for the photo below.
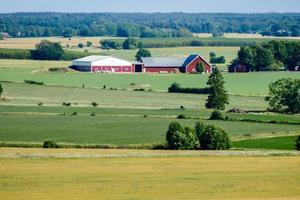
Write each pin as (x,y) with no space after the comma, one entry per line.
(147,25)
(271,56)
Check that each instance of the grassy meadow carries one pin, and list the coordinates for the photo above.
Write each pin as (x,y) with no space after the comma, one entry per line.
(128,174)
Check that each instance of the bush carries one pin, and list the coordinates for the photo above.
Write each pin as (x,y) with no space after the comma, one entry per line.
(33,82)
(80,45)
(1,90)
(15,54)
(111,44)
(50,144)
(298,143)
(181,138)
(66,104)
(47,50)
(74,113)
(216,115)
(182,116)
(176,88)
(40,104)
(94,104)
(214,138)
(93,114)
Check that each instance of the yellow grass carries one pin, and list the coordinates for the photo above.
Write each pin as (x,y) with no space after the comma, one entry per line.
(149,177)
(29,43)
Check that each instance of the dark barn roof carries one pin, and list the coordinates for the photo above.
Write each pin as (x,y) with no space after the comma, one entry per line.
(177,62)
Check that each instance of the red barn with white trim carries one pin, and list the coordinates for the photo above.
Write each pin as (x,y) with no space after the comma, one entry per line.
(174,64)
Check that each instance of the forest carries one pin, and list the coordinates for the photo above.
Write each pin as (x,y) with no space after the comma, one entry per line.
(147,25)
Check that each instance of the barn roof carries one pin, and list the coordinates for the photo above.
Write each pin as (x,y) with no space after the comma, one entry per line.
(91,58)
(163,61)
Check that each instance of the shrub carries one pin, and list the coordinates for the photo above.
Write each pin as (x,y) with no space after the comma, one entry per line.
(47,50)
(214,138)
(50,144)
(181,138)
(33,82)
(176,88)
(182,116)
(104,87)
(89,43)
(182,107)
(74,113)
(216,115)
(199,129)
(80,45)
(1,90)
(93,114)
(94,104)
(66,104)
(40,104)
(298,143)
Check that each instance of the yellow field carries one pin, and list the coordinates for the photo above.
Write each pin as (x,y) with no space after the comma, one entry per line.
(132,174)
(29,43)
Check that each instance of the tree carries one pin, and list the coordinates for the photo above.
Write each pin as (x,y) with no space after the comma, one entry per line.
(47,50)
(246,57)
(298,143)
(264,59)
(212,54)
(1,90)
(284,96)
(200,68)
(80,45)
(142,53)
(130,43)
(218,97)
(214,138)
(89,43)
(110,44)
(181,138)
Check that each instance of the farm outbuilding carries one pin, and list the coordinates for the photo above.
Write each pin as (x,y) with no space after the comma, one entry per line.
(105,64)
(238,68)
(175,64)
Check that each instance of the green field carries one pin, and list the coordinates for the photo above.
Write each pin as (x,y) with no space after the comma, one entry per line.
(253,84)
(282,143)
(128,174)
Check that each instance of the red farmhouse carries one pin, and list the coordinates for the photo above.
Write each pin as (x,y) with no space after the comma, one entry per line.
(175,65)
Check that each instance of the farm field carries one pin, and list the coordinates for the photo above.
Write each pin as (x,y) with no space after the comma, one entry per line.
(240,84)
(143,174)
(282,143)
(118,126)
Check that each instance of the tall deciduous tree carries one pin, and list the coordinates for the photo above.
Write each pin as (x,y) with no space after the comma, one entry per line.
(47,50)
(142,53)
(218,97)
(284,95)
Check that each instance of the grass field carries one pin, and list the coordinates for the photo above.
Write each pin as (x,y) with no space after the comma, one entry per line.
(118,126)
(142,176)
(241,84)
(282,143)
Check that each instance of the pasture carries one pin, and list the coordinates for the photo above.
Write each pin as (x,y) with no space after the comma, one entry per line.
(130,174)
(248,84)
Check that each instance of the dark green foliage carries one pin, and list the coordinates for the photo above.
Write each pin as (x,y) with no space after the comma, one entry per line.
(67,104)
(218,97)
(214,138)
(182,116)
(130,43)
(200,68)
(33,82)
(147,24)
(216,115)
(47,50)
(111,44)
(40,103)
(15,54)
(80,45)
(298,143)
(199,129)
(94,104)
(272,56)
(179,138)
(48,144)
(142,53)
(176,88)
(89,43)
(1,90)
(216,60)
(284,95)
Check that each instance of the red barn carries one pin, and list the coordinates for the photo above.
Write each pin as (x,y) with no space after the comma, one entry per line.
(174,64)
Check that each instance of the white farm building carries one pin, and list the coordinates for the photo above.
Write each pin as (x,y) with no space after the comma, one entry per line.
(102,64)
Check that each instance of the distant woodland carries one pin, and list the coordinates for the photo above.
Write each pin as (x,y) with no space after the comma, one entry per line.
(147,25)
